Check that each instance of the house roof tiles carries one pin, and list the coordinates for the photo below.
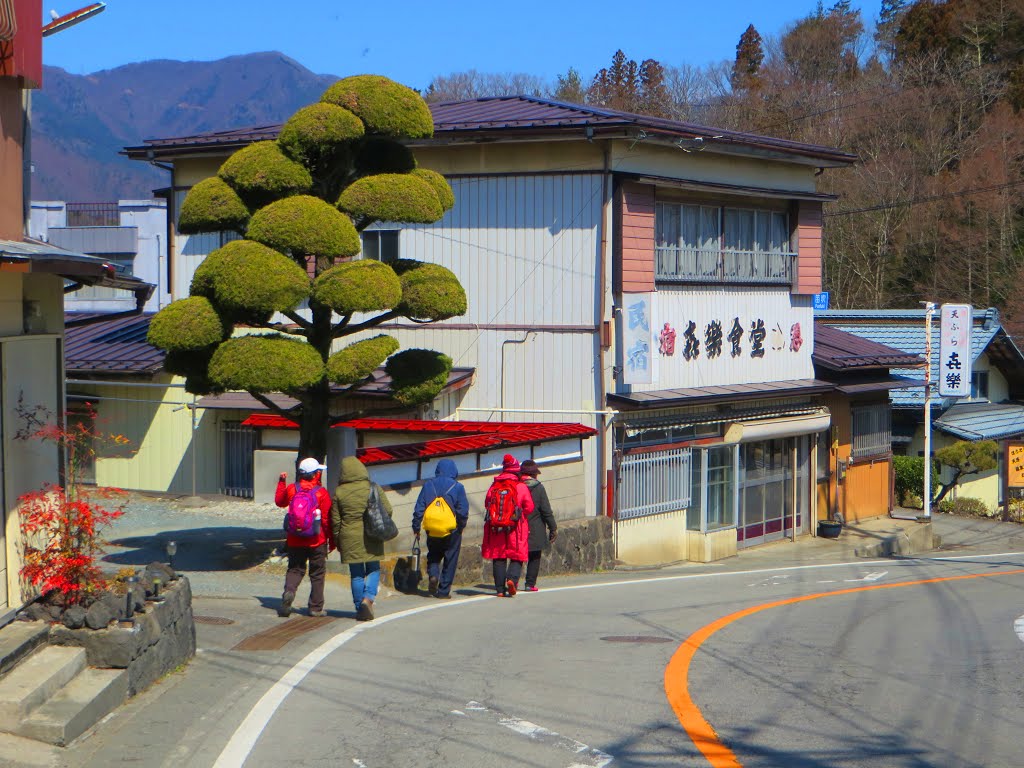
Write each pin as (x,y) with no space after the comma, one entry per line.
(982,421)
(115,346)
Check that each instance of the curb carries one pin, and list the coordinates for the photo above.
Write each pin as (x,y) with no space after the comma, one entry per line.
(920,538)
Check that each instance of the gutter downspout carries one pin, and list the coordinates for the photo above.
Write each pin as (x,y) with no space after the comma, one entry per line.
(602,270)
(501,375)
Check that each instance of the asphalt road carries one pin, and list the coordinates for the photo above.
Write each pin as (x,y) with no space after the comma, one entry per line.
(917,675)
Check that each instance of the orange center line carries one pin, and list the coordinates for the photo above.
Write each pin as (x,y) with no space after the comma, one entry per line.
(677,672)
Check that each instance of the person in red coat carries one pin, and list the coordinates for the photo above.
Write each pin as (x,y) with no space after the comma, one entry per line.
(508,550)
(306,550)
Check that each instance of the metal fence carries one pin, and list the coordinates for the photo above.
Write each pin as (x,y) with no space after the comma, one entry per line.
(239,445)
(93,215)
(654,482)
(692,265)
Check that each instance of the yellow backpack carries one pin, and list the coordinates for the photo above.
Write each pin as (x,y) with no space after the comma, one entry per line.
(438,518)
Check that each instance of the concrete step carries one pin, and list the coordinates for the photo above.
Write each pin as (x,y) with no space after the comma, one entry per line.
(16,752)
(78,706)
(18,639)
(35,680)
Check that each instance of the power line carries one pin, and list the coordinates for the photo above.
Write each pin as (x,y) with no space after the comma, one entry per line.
(926,199)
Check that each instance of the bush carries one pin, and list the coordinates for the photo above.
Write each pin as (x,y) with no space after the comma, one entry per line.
(909,471)
(304,226)
(261,173)
(212,206)
(318,134)
(418,375)
(186,324)
(440,184)
(400,197)
(429,291)
(195,367)
(266,364)
(383,156)
(251,279)
(386,108)
(357,361)
(365,285)
(966,507)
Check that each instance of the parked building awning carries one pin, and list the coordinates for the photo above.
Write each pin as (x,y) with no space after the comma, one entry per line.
(982,421)
(672,398)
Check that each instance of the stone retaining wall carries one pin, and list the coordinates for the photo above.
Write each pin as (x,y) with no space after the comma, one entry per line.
(583,545)
(162,638)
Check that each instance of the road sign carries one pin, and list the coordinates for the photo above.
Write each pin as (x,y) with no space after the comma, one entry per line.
(1015,465)
(821,301)
(955,356)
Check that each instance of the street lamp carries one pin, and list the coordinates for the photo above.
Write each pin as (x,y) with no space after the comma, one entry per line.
(172,550)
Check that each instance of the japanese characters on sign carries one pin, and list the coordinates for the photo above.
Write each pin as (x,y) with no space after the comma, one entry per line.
(954,374)
(1015,465)
(637,340)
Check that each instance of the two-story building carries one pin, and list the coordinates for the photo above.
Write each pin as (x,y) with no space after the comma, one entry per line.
(650,278)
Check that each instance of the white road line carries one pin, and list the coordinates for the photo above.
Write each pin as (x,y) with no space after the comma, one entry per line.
(239,747)
(594,758)
(869,577)
(1018,627)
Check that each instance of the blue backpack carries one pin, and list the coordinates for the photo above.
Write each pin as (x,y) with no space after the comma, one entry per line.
(303,516)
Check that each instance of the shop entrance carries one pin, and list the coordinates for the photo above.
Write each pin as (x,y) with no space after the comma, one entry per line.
(773,484)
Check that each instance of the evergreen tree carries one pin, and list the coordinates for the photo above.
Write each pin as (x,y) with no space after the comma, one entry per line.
(570,88)
(746,70)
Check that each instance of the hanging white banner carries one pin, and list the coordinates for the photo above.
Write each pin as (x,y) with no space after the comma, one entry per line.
(955,356)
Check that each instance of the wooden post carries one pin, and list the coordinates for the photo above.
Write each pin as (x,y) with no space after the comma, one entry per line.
(796,480)
(1006,480)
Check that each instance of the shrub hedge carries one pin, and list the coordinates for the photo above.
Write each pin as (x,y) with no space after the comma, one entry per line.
(377,155)
(400,197)
(357,361)
(186,324)
(261,173)
(364,285)
(418,375)
(304,225)
(318,133)
(909,471)
(386,108)
(966,506)
(429,291)
(248,278)
(212,206)
(266,364)
(440,184)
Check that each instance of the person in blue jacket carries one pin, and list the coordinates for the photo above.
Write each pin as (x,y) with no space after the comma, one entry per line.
(442,552)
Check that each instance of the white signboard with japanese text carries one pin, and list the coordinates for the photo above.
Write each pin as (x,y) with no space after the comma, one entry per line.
(730,335)
(637,363)
(955,350)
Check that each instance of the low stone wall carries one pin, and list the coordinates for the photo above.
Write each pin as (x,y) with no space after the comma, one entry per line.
(583,545)
(162,638)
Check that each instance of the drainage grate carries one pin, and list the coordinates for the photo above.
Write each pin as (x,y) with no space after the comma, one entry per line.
(220,621)
(282,634)
(636,639)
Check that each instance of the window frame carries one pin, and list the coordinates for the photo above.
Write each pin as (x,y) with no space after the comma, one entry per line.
(394,237)
(876,440)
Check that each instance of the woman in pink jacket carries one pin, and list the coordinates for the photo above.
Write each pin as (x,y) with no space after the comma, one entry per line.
(506,541)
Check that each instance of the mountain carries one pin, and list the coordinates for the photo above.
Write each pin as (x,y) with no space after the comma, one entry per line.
(81,122)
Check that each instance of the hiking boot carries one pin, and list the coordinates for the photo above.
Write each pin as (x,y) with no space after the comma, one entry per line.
(317,614)
(365,612)
(510,588)
(439,596)
(432,585)
(285,609)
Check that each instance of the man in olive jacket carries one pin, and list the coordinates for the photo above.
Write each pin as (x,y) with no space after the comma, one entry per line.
(543,527)
(361,553)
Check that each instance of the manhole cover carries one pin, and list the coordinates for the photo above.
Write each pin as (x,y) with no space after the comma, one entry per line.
(218,620)
(636,639)
(278,636)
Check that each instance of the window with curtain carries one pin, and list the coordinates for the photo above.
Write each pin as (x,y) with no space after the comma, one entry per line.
(872,430)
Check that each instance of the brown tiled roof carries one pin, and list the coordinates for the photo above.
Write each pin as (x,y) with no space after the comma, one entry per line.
(838,350)
(116,346)
(499,116)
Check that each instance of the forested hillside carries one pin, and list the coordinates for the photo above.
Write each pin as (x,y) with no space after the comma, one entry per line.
(928,95)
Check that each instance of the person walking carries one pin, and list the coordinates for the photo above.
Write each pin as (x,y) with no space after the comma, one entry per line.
(360,552)
(543,528)
(506,530)
(308,528)
(442,510)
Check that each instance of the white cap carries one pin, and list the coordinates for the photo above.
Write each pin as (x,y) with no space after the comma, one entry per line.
(309,466)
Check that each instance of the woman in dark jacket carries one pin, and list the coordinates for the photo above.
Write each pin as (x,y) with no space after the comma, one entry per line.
(543,527)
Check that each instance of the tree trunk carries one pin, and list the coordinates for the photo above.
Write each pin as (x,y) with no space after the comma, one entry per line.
(316,401)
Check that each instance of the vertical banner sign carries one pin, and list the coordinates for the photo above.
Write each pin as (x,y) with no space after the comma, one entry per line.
(955,351)
(638,365)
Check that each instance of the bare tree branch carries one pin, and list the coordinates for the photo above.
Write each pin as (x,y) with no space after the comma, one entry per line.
(285,413)
(373,322)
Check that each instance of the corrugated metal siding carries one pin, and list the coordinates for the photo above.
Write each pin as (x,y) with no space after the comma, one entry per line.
(809,248)
(776,307)
(97,241)
(190,250)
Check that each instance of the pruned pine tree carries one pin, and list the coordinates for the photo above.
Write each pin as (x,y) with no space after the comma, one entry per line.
(299,204)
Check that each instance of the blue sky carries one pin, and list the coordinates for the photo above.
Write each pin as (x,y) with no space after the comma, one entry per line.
(413,41)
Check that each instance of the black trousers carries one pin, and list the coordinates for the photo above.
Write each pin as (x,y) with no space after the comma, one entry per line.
(443,559)
(316,557)
(533,567)
(506,570)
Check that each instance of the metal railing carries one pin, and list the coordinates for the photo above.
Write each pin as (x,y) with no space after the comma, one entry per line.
(695,265)
(239,446)
(93,215)
(650,483)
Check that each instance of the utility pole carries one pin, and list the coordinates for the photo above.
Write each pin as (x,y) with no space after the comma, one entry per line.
(929,312)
